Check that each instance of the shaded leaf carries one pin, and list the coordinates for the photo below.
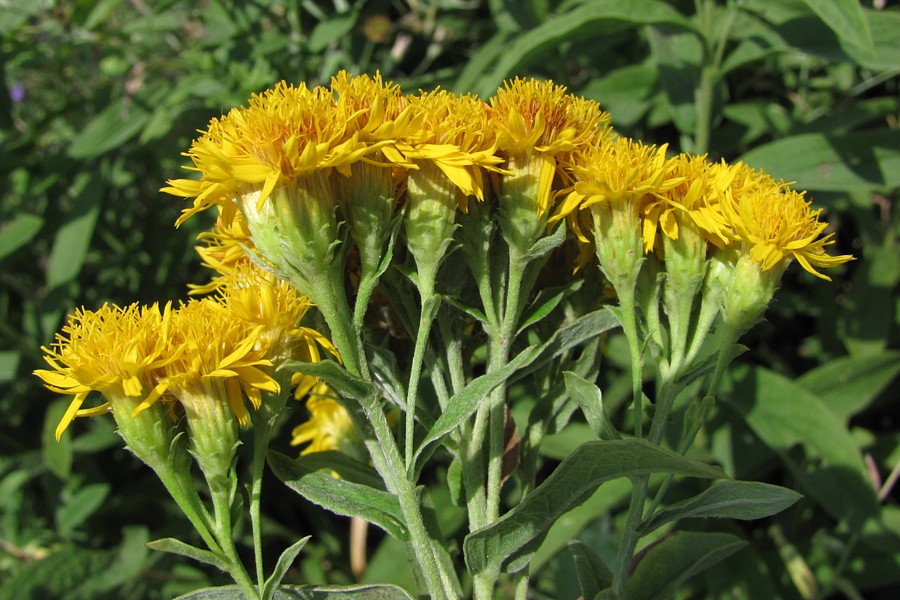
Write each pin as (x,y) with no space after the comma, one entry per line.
(593,574)
(865,160)
(847,385)
(115,125)
(308,592)
(335,28)
(281,567)
(570,484)
(462,405)
(340,496)
(173,546)
(678,557)
(783,414)
(845,18)
(18,232)
(335,376)
(70,246)
(590,19)
(590,399)
(744,500)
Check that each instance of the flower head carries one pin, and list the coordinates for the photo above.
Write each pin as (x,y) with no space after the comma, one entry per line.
(539,129)
(114,351)
(456,136)
(774,224)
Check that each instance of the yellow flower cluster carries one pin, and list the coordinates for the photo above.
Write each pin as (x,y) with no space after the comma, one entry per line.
(206,354)
(548,153)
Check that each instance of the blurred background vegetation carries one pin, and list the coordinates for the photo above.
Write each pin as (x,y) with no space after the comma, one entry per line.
(99,98)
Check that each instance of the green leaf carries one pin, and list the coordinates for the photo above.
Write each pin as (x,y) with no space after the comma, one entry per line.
(585,21)
(783,414)
(281,567)
(173,546)
(570,484)
(847,385)
(80,506)
(345,466)
(115,125)
(545,301)
(335,28)
(678,56)
(584,328)
(307,592)
(811,35)
(70,246)
(18,232)
(335,376)
(626,93)
(590,399)
(593,574)
(677,558)
(846,18)
(867,160)
(743,500)
(566,528)
(57,455)
(466,402)
(340,496)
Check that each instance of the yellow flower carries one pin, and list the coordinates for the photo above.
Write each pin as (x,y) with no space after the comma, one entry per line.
(617,172)
(225,247)
(214,356)
(774,224)
(539,126)
(260,298)
(114,351)
(329,426)
(457,137)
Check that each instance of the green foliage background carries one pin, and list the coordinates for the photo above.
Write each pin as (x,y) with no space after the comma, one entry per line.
(98,99)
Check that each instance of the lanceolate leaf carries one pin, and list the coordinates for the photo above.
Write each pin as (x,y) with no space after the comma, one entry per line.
(849,384)
(573,481)
(590,399)
(284,562)
(340,496)
(174,546)
(466,402)
(335,376)
(846,18)
(677,558)
(785,415)
(585,328)
(745,500)
(307,592)
(593,574)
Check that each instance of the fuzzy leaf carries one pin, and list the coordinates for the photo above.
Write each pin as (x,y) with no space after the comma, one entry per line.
(466,402)
(677,558)
(744,500)
(340,496)
(573,481)
(173,546)
(590,399)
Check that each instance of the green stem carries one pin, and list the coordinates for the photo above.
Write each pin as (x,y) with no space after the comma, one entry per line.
(438,582)
(499,355)
(426,281)
(221,497)
(629,536)
(181,490)
(713,54)
(630,328)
